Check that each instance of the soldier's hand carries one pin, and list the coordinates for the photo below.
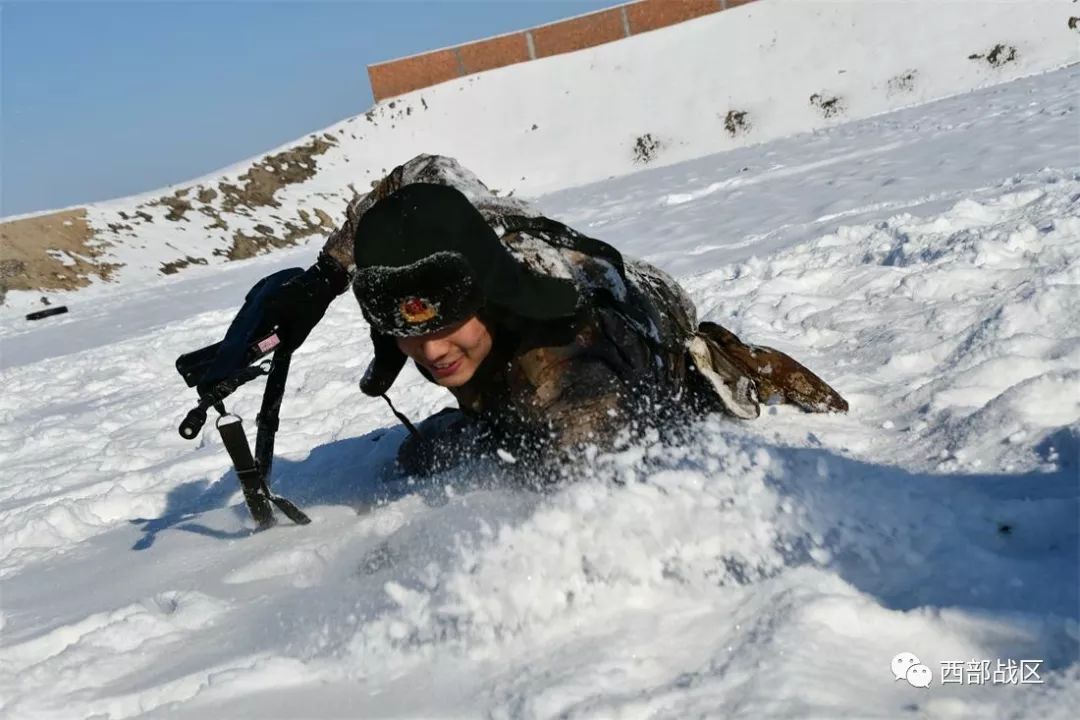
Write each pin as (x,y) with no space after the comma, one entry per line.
(298,305)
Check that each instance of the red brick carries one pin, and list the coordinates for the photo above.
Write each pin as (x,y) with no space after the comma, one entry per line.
(401,76)
(578,33)
(653,14)
(494,52)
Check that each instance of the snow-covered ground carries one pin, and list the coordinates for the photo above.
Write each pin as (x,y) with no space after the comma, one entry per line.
(924,262)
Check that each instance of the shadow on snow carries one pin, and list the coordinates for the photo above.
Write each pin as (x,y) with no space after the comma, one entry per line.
(353,471)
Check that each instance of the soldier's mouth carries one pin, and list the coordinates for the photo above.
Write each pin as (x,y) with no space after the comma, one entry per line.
(446,369)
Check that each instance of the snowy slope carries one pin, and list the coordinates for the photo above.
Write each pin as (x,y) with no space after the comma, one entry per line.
(925,262)
(744,76)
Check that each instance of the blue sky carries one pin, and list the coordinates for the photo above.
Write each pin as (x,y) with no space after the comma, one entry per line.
(105,99)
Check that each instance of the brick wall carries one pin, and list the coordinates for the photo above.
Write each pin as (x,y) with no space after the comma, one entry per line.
(654,14)
(579,33)
(396,77)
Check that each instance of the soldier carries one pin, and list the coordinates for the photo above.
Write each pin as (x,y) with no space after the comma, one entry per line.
(549,340)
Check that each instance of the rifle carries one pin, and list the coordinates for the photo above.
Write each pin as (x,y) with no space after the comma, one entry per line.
(218,370)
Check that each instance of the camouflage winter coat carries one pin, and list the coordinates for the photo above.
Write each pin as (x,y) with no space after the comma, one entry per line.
(634,354)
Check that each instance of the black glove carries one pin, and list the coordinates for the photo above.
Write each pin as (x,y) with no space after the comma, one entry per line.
(299,304)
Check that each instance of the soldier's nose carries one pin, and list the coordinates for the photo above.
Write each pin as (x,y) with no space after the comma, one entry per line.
(434,350)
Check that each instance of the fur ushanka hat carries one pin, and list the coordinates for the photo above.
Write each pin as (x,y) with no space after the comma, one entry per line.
(426,260)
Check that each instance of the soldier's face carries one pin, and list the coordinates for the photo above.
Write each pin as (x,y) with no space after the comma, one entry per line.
(451,355)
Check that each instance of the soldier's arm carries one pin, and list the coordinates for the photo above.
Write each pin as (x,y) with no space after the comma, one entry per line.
(339,246)
(590,391)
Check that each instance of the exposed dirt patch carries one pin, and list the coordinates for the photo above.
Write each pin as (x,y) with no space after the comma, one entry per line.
(1074,23)
(645,148)
(274,172)
(254,189)
(737,122)
(176,204)
(50,252)
(903,83)
(211,212)
(998,56)
(829,106)
(171,267)
(60,251)
(245,245)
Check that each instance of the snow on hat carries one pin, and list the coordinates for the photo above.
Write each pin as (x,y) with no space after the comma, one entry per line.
(426,260)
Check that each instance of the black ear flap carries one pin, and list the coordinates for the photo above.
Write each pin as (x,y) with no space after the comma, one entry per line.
(384,367)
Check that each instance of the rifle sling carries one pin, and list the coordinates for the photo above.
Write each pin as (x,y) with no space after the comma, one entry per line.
(252,471)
